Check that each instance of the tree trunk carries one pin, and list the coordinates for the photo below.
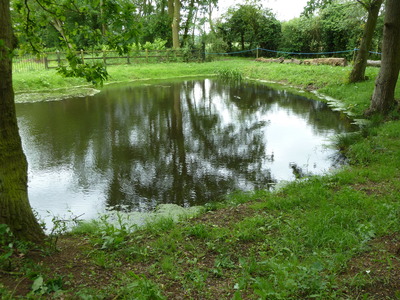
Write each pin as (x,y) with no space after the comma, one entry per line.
(15,210)
(210,10)
(383,97)
(189,21)
(171,8)
(103,23)
(57,24)
(358,72)
(175,24)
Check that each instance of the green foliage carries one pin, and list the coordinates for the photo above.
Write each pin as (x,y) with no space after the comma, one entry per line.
(95,73)
(199,231)
(156,27)
(6,246)
(76,24)
(342,142)
(159,225)
(329,31)
(114,230)
(60,227)
(158,44)
(336,19)
(230,74)
(249,26)
(140,288)
(40,287)
(301,35)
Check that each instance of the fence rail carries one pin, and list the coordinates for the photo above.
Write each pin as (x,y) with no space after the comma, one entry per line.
(52,60)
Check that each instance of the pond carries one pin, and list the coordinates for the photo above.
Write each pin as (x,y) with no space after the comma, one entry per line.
(186,142)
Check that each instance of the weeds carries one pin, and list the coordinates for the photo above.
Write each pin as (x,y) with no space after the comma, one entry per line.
(139,287)
(114,230)
(60,226)
(6,247)
(40,287)
(230,74)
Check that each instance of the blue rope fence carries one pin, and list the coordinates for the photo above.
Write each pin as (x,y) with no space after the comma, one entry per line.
(293,53)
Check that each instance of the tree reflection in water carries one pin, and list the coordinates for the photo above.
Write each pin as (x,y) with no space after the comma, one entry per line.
(184,142)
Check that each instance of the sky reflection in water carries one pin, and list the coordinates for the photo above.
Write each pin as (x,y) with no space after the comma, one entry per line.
(184,142)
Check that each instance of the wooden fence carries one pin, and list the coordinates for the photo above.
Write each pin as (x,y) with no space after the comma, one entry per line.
(51,60)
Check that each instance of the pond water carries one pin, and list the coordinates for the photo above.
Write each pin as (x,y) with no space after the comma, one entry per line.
(184,142)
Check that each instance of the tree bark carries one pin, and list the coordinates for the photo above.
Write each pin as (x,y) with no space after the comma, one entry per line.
(175,24)
(57,24)
(383,97)
(15,210)
(358,72)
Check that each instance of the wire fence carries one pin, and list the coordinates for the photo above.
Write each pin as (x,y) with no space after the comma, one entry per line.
(258,52)
(52,60)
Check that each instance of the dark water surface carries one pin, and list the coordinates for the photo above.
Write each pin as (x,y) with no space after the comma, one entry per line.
(184,142)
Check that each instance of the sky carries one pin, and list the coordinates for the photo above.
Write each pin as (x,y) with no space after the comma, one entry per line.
(284,9)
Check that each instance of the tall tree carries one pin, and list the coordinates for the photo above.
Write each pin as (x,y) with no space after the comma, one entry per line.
(251,26)
(174,11)
(372,7)
(360,63)
(15,210)
(188,23)
(383,97)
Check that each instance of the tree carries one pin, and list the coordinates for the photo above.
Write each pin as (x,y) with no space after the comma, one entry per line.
(360,63)
(314,5)
(251,26)
(372,7)
(383,97)
(15,210)
(78,24)
(174,11)
(301,34)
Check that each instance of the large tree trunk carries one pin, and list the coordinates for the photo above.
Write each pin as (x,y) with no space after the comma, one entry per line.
(175,24)
(383,97)
(15,210)
(358,72)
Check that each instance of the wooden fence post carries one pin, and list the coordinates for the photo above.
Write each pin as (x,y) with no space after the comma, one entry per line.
(46,62)
(82,56)
(58,58)
(104,57)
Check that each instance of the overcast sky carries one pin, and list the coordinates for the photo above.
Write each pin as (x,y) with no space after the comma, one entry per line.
(284,9)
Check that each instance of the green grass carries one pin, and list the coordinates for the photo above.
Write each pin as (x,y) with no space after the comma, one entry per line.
(328,80)
(294,243)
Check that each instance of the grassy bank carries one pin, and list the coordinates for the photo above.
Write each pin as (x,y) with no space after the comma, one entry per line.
(328,80)
(330,237)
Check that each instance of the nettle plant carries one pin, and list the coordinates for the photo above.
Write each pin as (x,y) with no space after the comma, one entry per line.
(10,245)
(6,247)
